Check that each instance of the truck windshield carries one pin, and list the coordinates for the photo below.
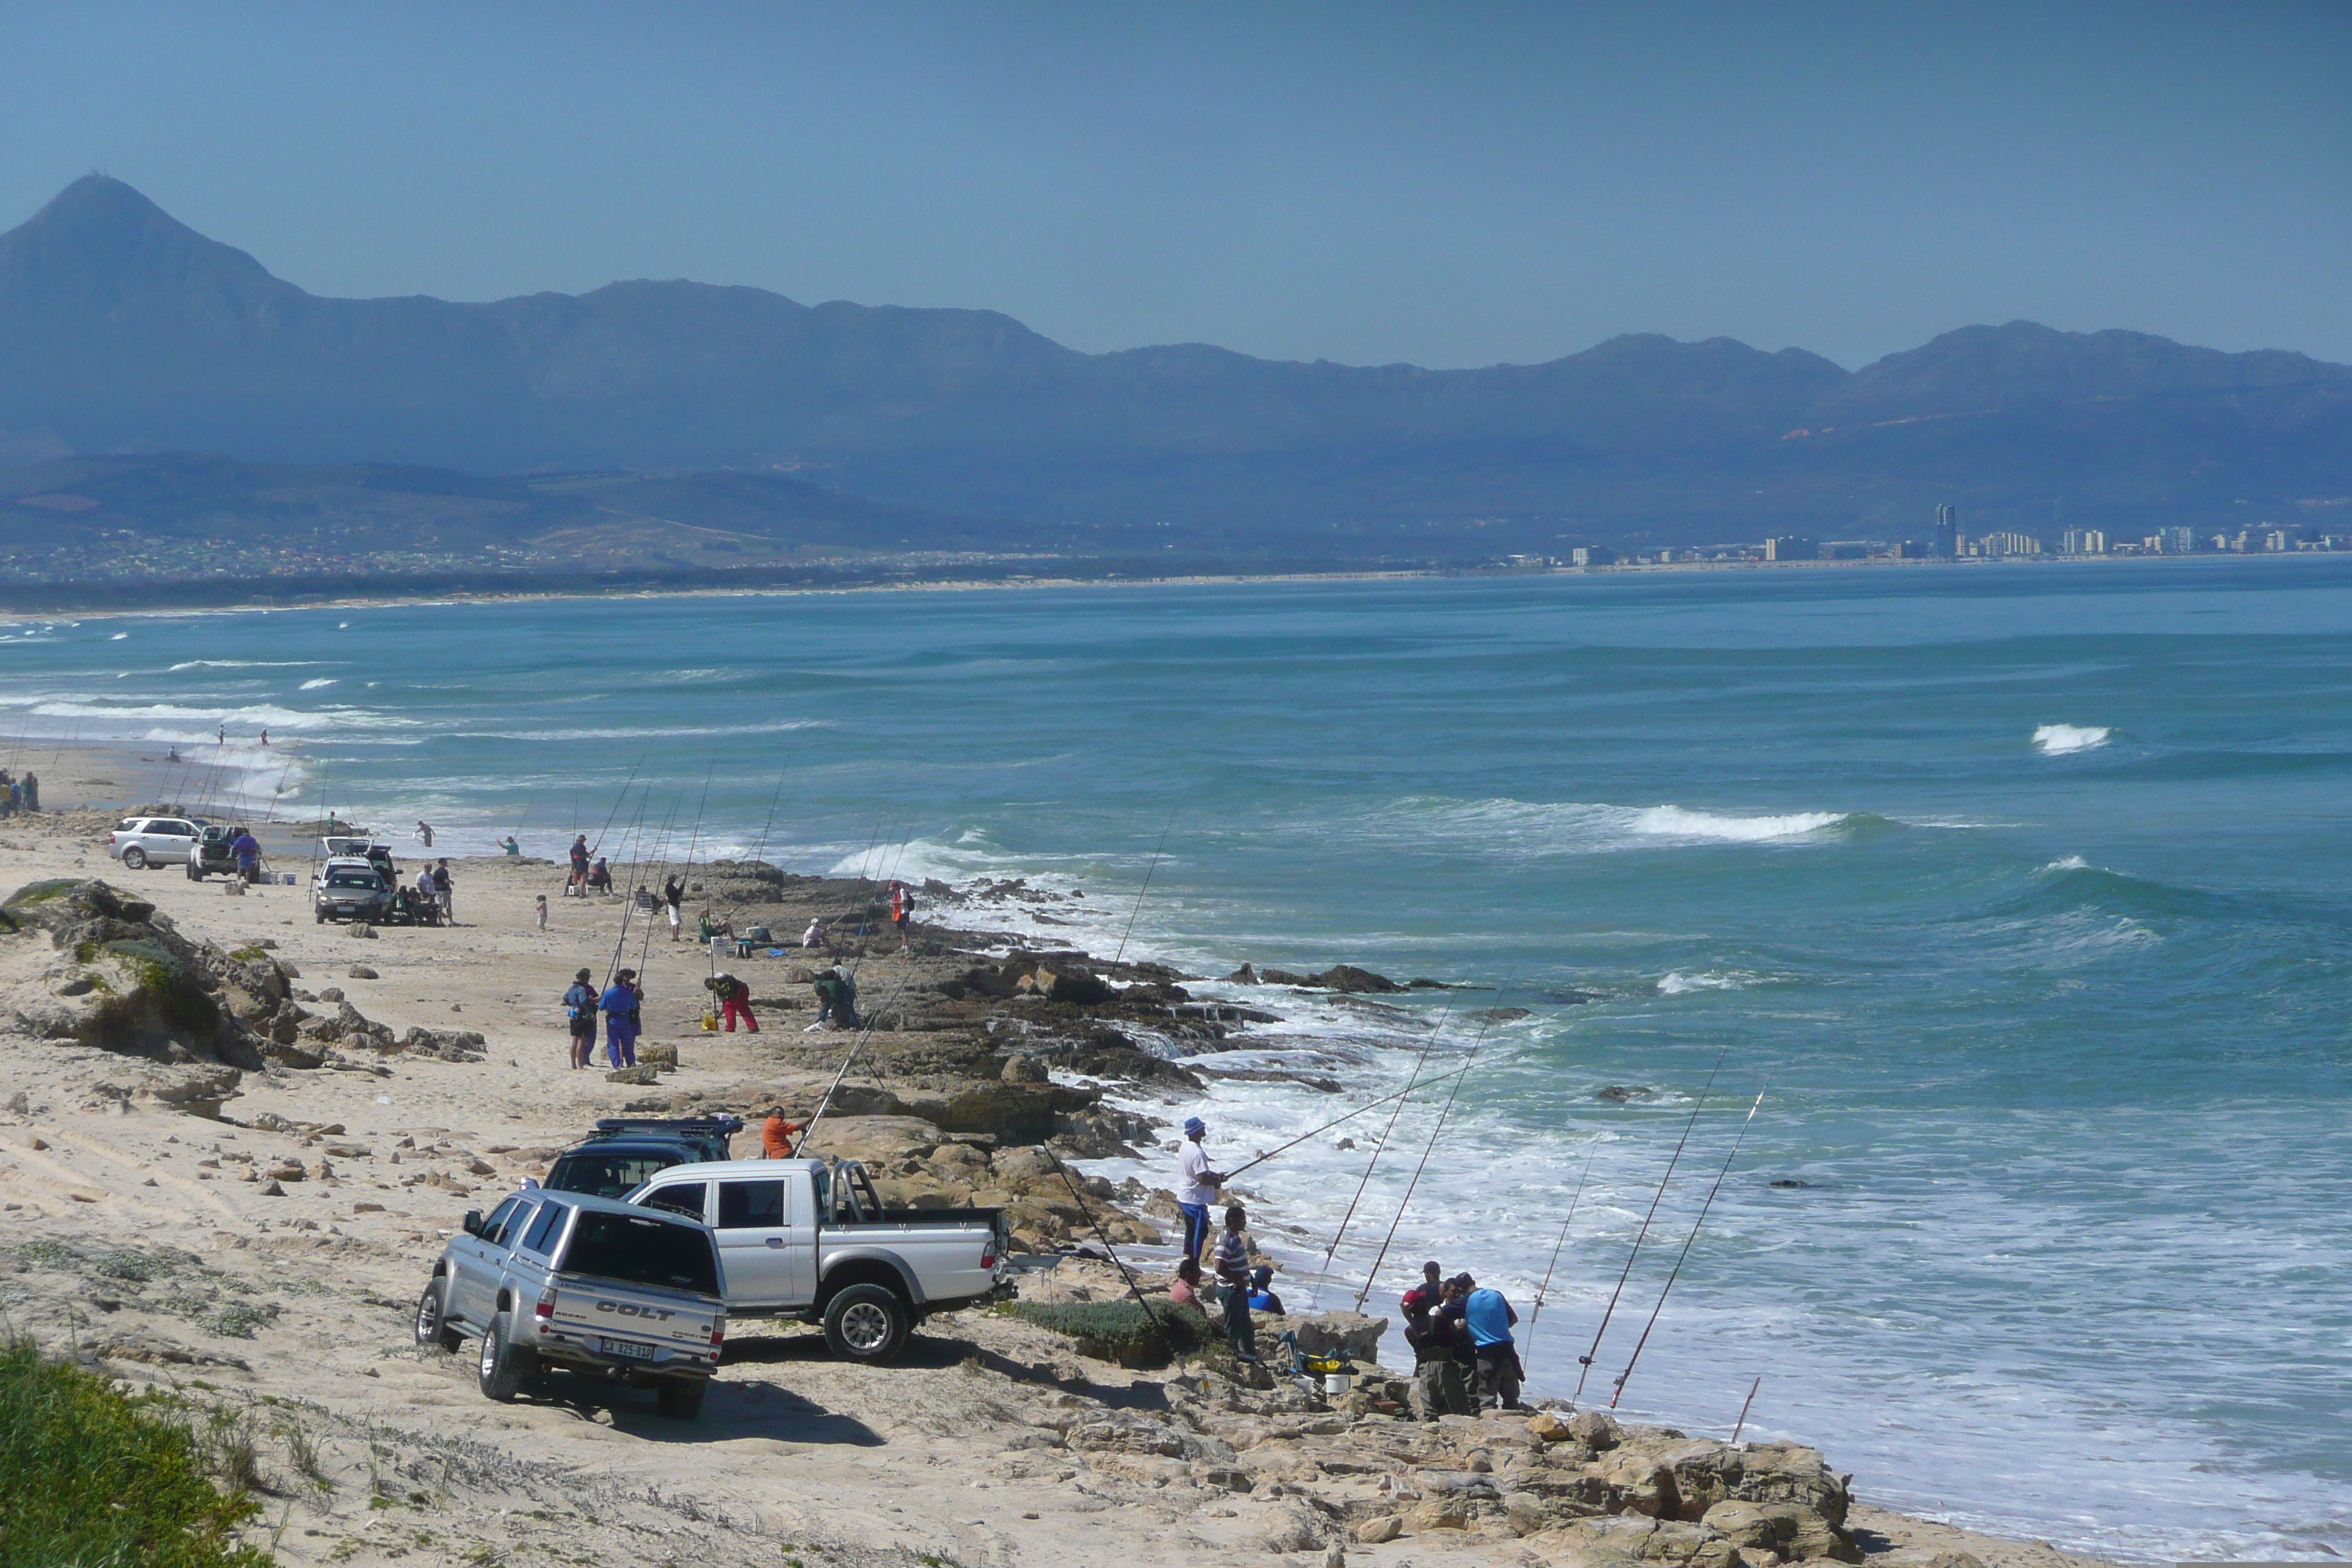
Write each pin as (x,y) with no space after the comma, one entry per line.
(610,1172)
(641,1250)
(361,879)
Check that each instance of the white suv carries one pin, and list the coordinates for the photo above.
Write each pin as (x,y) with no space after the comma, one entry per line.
(145,841)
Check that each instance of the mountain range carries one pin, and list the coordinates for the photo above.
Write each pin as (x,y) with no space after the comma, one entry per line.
(125,335)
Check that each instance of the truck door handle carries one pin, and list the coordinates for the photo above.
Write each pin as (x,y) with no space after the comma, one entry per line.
(775,1241)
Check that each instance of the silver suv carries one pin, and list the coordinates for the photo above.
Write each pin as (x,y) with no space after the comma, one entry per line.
(145,841)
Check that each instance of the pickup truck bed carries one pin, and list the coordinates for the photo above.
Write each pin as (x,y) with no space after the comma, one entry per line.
(809,1239)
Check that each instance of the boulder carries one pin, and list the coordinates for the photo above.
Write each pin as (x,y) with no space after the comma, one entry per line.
(466,1046)
(663,1056)
(1347,977)
(638,1075)
(1245,975)
(1282,977)
(150,991)
(1020,1069)
(1351,1335)
(361,972)
(1596,1429)
(1380,1528)
(1548,1427)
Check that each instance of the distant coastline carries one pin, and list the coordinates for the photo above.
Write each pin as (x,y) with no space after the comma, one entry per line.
(104,601)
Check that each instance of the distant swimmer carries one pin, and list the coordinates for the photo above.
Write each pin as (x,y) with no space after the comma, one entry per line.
(265,737)
(425,833)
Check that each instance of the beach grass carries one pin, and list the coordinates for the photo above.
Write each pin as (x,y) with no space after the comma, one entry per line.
(91,1476)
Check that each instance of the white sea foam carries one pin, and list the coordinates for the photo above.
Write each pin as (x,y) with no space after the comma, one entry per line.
(118,637)
(654,731)
(1677,983)
(1673,822)
(2071,863)
(245,664)
(1518,828)
(2058,740)
(314,685)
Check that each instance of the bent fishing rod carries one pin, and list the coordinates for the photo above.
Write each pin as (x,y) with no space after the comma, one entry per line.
(1618,1390)
(1543,1290)
(1140,892)
(1643,1235)
(1428,1149)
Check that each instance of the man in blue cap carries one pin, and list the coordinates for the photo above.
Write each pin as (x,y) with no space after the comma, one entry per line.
(1196,1187)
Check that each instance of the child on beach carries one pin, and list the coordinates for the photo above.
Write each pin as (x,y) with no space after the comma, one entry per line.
(542,912)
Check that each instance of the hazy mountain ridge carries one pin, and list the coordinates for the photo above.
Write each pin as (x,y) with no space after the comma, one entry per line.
(123,331)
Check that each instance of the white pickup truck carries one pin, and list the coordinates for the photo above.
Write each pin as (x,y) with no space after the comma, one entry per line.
(567,1281)
(810,1239)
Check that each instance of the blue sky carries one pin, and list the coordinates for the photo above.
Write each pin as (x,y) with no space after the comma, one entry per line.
(1447,185)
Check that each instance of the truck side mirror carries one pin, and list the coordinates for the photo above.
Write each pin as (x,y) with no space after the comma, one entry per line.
(473,1222)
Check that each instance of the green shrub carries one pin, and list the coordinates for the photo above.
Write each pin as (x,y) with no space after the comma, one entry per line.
(92,1477)
(1121,1331)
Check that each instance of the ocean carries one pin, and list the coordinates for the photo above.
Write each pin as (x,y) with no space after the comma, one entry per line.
(2019,892)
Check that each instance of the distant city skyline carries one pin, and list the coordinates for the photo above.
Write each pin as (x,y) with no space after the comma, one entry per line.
(1370,185)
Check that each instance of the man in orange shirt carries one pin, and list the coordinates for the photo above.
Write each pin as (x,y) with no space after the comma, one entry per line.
(777,1134)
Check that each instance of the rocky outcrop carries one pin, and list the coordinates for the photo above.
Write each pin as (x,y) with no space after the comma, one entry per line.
(86,963)
(1350,1334)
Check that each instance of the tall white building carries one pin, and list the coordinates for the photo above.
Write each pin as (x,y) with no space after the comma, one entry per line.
(2083,542)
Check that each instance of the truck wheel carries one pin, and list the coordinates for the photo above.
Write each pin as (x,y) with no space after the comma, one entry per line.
(504,1365)
(867,1323)
(320,916)
(432,1328)
(134,858)
(681,1397)
(195,874)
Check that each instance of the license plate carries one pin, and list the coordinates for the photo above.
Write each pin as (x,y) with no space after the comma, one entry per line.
(629,1348)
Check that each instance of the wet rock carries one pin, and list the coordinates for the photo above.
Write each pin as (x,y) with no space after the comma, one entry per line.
(1245,976)
(1622,1094)
(1347,978)
(1284,977)
(1501,1014)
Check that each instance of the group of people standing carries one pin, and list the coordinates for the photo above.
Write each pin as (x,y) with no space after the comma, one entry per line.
(19,793)
(1463,1354)
(434,886)
(591,873)
(622,1007)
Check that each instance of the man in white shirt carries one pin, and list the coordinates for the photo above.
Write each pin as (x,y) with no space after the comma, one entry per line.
(1196,1187)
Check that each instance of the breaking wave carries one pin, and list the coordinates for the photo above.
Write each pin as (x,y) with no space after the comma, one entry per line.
(2058,740)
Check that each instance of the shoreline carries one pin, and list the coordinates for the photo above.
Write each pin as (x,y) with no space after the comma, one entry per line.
(469,1107)
(396,599)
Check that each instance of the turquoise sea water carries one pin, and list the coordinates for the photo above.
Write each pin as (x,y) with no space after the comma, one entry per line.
(2024,889)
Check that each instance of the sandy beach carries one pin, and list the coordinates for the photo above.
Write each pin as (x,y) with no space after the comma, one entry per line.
(265,1263)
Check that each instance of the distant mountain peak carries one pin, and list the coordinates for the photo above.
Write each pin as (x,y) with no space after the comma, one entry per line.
(99,234)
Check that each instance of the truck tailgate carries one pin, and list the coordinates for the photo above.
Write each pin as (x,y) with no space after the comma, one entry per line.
(626,1315)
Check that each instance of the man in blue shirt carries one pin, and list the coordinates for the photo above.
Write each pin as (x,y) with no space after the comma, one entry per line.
(1489,1319)
(247,851)
(620,1004)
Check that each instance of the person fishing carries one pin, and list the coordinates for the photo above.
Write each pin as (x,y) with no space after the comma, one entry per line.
(1196,1186)
(1233,1272)
(1436,1373)
(623,1005)
(577,887)
(776,1134)
(579,1010)
(735,996)
(1262,1297)
(1489,1319)
(672,895)
(600,876)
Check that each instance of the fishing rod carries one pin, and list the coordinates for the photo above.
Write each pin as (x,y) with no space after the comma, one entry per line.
(1406,1202)
(773,798)
(1619,1388)
(1381,1146)
(1586,1358)
(621,800)
(661,849)
(1368,1105)
(1741,1424)
(621,945)
(1542,1290)
(1140,892)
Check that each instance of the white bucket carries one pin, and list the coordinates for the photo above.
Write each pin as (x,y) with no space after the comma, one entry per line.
(1336,1383)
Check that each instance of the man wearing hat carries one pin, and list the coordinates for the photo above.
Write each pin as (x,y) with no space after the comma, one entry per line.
(1196,1187)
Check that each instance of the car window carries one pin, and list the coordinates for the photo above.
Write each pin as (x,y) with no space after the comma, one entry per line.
(351,879)
(750,1205)
(686,1198)
(609,1174)
(493,1227)
(641,1250)
(176,829)
(550,1216)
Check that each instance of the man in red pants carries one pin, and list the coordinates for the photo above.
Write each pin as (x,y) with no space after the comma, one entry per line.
(734,1000)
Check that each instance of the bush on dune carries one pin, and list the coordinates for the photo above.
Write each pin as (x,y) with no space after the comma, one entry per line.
(91,1476)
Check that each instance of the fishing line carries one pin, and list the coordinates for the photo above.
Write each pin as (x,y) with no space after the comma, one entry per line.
(1586,1358)
(1140,892)
(1542,1290)
(1687,1241)
(1350,1116)
(1402,1203)
(1379,1149)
